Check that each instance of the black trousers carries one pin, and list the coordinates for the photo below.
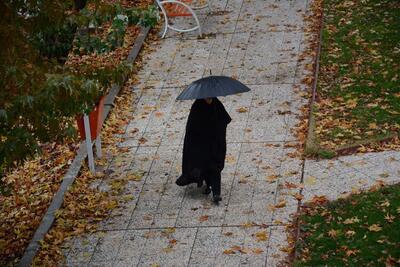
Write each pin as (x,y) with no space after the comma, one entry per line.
(213,180)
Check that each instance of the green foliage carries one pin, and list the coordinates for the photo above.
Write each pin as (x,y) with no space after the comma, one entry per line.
(363,230)
(149,17)
(55,41)
(86,44)
(39,97)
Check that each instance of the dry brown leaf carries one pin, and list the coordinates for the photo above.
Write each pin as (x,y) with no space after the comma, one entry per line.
(350,233)
(229,252)
(257,251)
(172,241)
(319,200)
(203,218)
(272,178)
(281,204)
(332,233)
(351,252)
(142,140)
(298,196)
(147,217)
(290,185)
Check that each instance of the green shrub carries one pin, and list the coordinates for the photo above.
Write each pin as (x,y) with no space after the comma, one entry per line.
(39,97)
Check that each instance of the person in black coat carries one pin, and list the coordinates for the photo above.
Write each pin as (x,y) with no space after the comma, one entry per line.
(204,147)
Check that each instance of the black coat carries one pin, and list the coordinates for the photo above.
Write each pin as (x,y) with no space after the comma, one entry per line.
(204,146)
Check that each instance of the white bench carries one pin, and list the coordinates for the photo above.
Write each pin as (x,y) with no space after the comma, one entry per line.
(180,8)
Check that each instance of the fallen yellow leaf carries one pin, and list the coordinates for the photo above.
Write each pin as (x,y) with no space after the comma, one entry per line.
(351,220)
(169,230)
(167,249)
(230,159)
(372,125)
(389,218)
(247,225)
(385,203)
(242,110)
(310,180)
(261,236)
(375,228)
(134,177)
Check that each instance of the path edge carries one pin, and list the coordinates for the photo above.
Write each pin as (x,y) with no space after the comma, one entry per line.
(73,170)
(295,231)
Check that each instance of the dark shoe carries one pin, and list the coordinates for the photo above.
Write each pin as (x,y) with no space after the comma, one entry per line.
(182,181)
(217,199)
(207,190)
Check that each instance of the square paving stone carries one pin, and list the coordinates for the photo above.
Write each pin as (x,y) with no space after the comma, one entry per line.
(132,246)
(82,249)
(168,247)
(108,246)
(276,243)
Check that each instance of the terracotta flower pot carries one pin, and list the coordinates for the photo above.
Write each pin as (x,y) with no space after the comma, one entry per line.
(95,121)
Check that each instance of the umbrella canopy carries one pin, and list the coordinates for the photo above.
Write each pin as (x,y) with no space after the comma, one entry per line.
(212,86)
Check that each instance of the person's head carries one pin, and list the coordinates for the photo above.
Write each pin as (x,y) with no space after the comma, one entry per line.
(208,100)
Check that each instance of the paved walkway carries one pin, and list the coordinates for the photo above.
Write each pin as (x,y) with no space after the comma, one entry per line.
(259,42)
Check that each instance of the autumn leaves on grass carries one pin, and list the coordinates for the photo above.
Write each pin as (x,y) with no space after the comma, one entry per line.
(358,91)
(362,229)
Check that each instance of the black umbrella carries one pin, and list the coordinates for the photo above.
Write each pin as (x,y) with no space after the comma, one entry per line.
(212,86)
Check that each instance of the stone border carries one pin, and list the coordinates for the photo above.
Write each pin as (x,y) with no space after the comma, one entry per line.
(295,226)
(311,146)
(352,148)
(73,170)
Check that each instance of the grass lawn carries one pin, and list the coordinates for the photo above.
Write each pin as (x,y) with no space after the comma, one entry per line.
(362,230)
(358,91)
